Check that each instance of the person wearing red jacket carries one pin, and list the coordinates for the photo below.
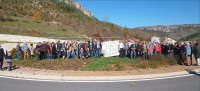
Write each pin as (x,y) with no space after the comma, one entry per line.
(158,48)
(50,50)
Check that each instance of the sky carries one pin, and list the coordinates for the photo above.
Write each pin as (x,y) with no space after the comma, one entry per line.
(138,13)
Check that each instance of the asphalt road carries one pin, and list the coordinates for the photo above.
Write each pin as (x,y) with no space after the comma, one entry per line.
(191,83)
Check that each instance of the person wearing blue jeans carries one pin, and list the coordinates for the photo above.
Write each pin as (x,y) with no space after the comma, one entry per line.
(97,53)
(68,54)
(49,55)
(9,61)
(59,46)
(76,53)
(133,52)
(72,55)
(91,53)
(58,54)
(18,50)
(97,48)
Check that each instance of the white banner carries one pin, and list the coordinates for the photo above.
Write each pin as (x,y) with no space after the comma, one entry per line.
(155,39)
(110,48)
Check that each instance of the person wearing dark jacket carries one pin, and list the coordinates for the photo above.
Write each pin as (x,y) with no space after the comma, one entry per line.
(195,49)
(181,51)
(176,51)
(85,47)
(9,61)
(38,53)
(58,47)
(91,48)
(97,48)
(198,53)
(133,52)
(42,51)
(2,55)
(19,51)
(54,50)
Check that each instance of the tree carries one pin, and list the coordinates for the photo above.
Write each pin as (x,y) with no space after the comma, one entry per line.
(37,16)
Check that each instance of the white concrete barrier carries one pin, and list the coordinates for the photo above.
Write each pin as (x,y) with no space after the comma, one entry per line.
(18,38)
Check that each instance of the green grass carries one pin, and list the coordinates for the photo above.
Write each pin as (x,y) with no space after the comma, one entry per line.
(102,64)
(116,63)
(99,64)
(22,26)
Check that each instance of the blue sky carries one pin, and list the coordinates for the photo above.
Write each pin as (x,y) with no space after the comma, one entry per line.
(136,13)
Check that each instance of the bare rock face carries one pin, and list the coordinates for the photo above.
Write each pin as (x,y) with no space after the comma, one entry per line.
(169,28)
(80,7)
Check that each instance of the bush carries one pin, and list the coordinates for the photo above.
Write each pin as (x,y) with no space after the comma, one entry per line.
(3,16)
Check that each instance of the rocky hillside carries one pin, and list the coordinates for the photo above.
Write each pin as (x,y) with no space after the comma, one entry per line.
(174,31)
(170,28)
(78,6)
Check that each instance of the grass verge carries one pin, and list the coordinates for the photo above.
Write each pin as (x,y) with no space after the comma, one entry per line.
(99,64)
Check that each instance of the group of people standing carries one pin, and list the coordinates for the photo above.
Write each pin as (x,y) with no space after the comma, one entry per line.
(51,50)
(189,51)
(8,58)
(182,51)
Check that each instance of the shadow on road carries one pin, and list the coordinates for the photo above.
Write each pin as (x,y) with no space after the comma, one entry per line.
(192,72)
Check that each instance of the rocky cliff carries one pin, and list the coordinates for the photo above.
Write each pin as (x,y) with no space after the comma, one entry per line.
(170,28)
(79,6)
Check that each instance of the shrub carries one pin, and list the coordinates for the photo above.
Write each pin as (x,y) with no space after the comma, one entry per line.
(3,16)
(119,66)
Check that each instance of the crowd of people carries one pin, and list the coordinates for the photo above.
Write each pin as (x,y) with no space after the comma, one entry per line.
(181,50)
(51,50)
(128,48)
(92,49)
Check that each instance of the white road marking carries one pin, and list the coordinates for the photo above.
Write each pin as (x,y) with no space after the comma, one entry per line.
(100,81)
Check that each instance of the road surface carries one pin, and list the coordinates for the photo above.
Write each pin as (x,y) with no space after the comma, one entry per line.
(190,83)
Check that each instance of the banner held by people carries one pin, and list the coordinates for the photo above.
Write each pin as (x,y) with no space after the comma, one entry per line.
(110,48)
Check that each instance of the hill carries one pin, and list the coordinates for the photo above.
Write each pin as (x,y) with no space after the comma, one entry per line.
(51,18)
(174,31)
(195,36)
(68,19)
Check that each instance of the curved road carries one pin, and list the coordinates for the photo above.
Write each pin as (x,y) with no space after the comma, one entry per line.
(190,83)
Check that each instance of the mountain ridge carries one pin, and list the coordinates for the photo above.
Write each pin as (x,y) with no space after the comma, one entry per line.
(168,28)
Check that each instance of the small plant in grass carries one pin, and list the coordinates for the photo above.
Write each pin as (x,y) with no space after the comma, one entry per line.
(119,66)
